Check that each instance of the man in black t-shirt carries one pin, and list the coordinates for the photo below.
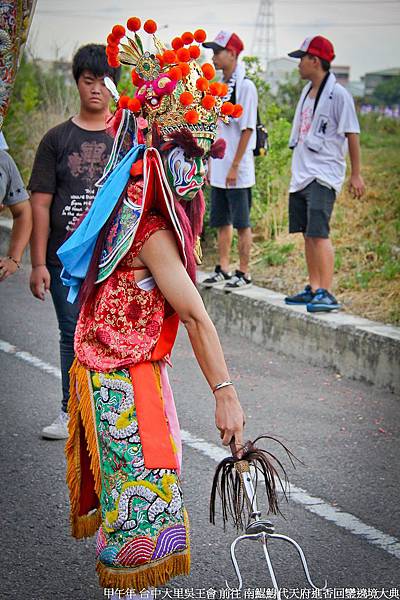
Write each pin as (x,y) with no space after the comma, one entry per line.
(69,160)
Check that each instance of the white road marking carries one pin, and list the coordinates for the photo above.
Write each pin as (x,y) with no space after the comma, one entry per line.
(29,358)
(313,504)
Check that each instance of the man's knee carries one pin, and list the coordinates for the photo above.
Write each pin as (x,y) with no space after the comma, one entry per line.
(315,241)
(244,231)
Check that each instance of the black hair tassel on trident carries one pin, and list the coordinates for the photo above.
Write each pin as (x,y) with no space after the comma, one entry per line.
(237,504)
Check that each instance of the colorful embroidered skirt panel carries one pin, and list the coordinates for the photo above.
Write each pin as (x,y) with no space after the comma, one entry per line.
(143,539)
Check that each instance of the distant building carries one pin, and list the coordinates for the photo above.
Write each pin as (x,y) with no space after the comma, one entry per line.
(342,74)
(372,80)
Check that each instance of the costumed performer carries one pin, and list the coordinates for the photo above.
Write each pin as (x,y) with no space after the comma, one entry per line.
(131,261)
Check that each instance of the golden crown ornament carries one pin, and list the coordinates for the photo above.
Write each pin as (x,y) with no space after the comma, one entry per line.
(173,90)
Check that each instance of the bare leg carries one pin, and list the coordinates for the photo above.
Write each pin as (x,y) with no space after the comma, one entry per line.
(244,246)
(225,235)
(320,262)
(313,271)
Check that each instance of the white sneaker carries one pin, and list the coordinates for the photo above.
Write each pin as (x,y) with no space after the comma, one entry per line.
(57,430)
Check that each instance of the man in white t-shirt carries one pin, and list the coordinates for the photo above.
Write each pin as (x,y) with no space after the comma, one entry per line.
(233,176)
(324,127)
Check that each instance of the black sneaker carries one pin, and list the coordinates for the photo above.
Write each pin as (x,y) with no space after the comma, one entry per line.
(219,276)
(303,297)
(323,301)
(237,282)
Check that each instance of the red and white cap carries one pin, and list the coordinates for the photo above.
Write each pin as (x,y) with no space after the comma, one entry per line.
(316,46)
(226,40)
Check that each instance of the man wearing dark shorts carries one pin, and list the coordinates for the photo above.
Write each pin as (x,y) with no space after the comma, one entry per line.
(324,126)
(233,176)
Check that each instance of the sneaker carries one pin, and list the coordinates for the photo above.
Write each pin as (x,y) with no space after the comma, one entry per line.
(219,276)
(323,301)
(238,282)
(57,430)
(303,297)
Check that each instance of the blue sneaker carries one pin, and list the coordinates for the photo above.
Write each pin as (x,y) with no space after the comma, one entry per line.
(303,297)
(323,301)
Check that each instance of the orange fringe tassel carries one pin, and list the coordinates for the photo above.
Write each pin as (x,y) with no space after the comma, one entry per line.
(144,577)
(81,411)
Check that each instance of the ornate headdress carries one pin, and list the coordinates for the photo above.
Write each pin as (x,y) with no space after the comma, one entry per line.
(173,90)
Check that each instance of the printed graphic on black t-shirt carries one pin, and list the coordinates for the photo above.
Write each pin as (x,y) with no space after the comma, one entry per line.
(68,163)
(86,166)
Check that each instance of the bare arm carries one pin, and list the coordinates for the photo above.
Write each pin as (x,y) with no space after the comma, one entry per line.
(40,277)
(161,256)
(241,149)
(356,183)
(20,234)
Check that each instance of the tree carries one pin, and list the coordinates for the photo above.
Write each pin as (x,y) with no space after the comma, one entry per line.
(388,92)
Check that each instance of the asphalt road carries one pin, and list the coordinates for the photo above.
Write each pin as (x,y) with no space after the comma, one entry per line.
(346,433)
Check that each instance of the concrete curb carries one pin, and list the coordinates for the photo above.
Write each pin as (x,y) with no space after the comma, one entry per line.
(355,347)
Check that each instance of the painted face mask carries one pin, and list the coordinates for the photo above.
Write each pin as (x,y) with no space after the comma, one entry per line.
(185,175)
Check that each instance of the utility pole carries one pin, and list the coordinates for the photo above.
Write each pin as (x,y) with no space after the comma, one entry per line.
(264,44)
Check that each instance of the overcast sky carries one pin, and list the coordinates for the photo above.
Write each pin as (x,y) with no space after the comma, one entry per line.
(366,33)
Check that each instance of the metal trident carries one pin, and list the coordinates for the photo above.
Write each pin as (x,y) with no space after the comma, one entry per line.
(262,530)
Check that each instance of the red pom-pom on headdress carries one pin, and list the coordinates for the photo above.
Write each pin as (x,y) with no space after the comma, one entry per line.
(112,51)
(112,40)
(150,26)
(118,31)
(202,84)
(187,38)
(175,73)
(169,57)
(186,98)
(215,88)
(200,36)
(134,24)
(192,117)
(184,67)
(123,101)
(194,52)
(237,111)
(183,55)
(134,105)
(227,108)
(113,61)
(208,71)
(208,102)
(177,43)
